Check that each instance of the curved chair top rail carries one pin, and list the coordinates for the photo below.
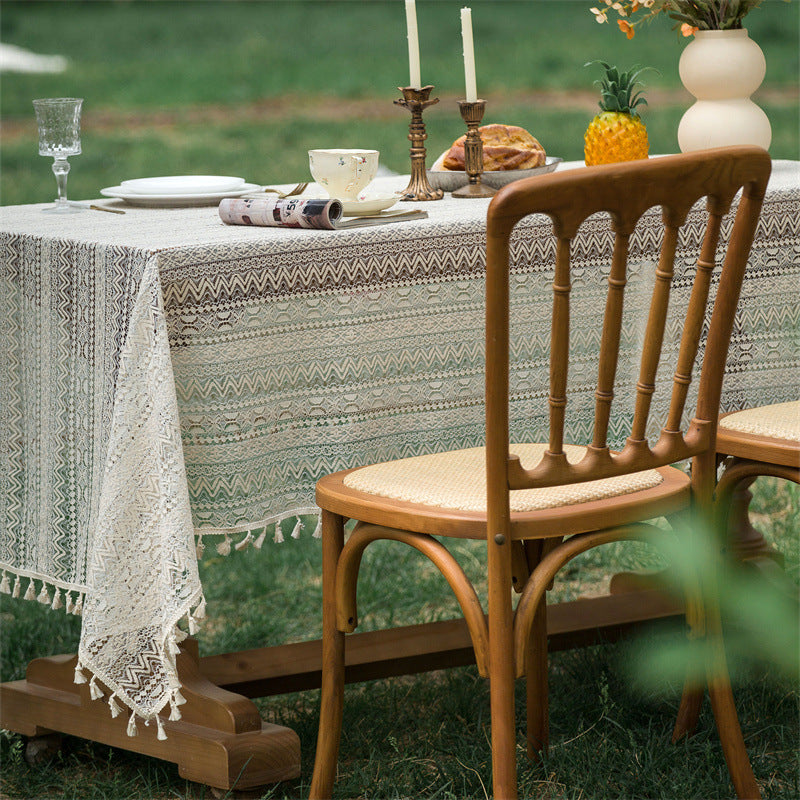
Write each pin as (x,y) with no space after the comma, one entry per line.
(625,191)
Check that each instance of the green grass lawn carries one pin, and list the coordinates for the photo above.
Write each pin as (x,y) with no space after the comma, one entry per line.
(246,88)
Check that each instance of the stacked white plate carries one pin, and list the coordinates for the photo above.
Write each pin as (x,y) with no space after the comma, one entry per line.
(179,190)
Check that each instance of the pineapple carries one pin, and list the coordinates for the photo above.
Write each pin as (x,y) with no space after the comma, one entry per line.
(617,133)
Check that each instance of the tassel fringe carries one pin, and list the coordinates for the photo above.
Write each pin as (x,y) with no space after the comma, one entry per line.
(245,542)
(174,711)
(5,586)
(95,692)
(224,547)
(30,593)
(278,538)
(132,725)
(114,706)
(298,527)
(260,541)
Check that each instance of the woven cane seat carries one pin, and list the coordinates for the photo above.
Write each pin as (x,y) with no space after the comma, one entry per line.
(780,421)
(457,480)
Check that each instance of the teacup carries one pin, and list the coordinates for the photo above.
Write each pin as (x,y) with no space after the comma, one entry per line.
(344,173)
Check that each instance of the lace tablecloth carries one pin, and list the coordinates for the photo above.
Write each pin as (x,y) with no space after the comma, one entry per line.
(169,382)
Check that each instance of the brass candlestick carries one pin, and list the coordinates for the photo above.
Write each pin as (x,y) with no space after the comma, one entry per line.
(416,100)
(472,114)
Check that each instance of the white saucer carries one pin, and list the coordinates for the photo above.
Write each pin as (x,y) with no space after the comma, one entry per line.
(177,199)
(369,203)
(183,184)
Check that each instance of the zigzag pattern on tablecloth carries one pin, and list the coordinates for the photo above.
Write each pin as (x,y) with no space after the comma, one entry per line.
(320,388)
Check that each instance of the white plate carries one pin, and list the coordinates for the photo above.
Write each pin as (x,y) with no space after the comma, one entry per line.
(175,200)
(369,203)
(450,180)
(182,184)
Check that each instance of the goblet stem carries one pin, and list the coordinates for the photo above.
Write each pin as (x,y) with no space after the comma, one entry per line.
(62,205)
(61,170)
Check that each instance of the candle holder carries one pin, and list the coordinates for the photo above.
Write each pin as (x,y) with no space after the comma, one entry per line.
(416,101)
(472,114)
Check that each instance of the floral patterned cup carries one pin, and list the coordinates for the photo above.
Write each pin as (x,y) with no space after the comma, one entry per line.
(343,173)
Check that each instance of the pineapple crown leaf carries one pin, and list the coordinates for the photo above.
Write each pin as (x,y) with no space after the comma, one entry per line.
(617,89)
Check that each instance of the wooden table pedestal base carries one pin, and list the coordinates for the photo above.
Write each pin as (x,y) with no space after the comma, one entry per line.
(219,741)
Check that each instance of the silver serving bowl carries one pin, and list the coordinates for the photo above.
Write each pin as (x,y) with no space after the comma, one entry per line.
(450,180)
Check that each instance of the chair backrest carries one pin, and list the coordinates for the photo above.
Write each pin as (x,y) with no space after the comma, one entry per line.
(625,191)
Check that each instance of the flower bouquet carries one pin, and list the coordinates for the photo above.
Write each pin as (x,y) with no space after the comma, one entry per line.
(690,15)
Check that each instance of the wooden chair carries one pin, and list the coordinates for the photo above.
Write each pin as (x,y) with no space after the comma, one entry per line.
(760,441)
(754,442)
(539,505)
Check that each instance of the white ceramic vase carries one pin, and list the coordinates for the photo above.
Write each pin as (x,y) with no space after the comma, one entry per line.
(722,69)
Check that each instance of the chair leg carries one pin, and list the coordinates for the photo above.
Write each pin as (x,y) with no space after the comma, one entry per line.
(501,678)
(538,733)
(332,694)
(725,716)
(689,711)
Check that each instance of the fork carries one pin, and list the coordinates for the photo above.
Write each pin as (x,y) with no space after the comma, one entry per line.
(299,189)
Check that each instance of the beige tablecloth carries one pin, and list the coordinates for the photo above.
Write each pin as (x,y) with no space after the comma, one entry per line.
(174,383)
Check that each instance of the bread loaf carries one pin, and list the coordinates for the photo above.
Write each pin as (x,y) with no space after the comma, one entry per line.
(504,147)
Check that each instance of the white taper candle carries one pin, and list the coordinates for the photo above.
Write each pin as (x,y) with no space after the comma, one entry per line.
(469,54)
(413,45)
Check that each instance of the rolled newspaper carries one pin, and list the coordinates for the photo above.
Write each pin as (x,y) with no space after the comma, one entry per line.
(289,212)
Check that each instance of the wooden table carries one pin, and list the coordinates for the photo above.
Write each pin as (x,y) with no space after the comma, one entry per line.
(251,361)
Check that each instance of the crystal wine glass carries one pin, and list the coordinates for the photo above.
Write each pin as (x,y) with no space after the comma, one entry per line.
(59,120)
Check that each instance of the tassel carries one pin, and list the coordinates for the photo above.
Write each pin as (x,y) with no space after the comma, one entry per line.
(79,676)
(179,635)
(30,593)
(298,526)
(258,542)
(278,538)
(200,547)
(318,530)
(193,626)
(172,646)
(200,611)
(44,595)
(245,542)
(132,725)
(114,706)
(5,587)
(95,692)
(17,587)
(57,603)
(78,608)
(160,725)
(175,712)
(70,604)
(179,698)
(224,547)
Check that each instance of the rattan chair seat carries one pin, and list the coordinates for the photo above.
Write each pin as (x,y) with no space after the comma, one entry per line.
(456,480)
